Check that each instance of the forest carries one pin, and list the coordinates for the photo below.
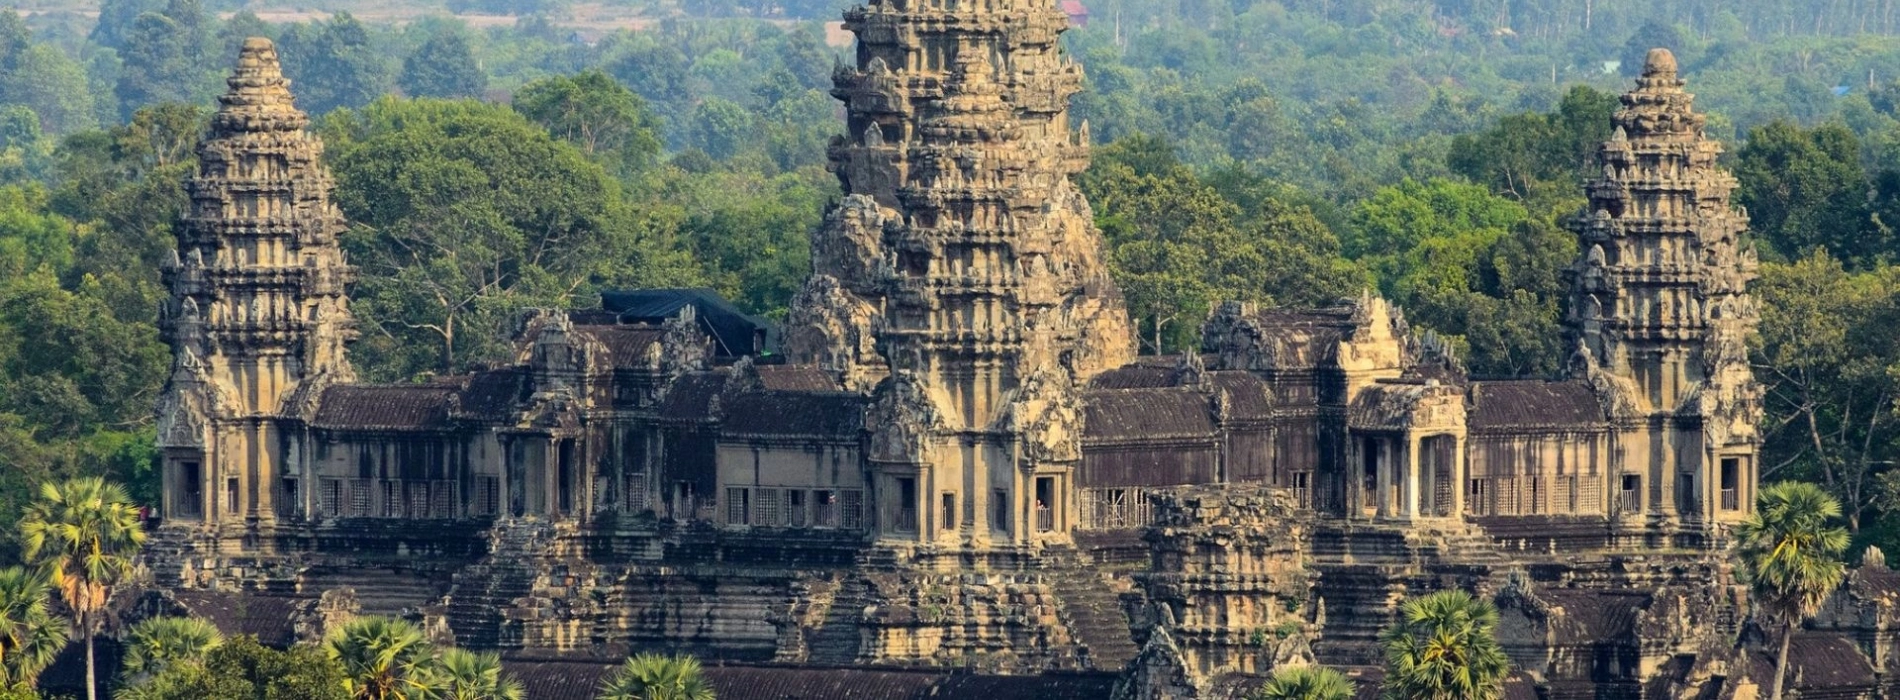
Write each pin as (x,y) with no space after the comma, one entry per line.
(1280,152)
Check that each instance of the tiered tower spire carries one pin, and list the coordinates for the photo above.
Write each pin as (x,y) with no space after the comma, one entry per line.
(963,262)
(1659,305)
(257,318)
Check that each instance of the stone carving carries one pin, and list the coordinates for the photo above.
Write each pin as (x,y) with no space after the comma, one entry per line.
(903,420)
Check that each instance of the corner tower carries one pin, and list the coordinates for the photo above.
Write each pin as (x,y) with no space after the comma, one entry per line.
(257,318)
(962,274)
(1660,311)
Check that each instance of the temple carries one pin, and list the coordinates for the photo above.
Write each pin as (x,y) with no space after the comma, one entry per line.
(957,460)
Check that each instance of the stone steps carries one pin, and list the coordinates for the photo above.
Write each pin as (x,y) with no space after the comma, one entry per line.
(482,592)
(839,639)
(1093,612)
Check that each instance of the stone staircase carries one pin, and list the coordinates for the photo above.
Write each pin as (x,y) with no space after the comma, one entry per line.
(482,591)
(838,640)
(1091,607)
(380,591)
(1366,570)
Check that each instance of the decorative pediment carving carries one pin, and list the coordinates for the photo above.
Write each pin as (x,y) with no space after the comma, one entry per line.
(903,420)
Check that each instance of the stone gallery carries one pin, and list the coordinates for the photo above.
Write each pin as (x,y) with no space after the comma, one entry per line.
(948,474)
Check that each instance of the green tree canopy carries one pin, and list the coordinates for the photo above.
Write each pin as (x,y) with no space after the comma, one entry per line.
(462,215)
(334,64)
(591,110)
(1305,683)
(1444,647)
(1790,551)
(87,533)
(656,677)
(242,668)
(443,66)
(1806,189)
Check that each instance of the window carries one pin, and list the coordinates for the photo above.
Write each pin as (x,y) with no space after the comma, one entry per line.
(1686,500)
(291,503)
(949,511)
(442,500)
(330,492)
(392,498)
(906,516)
(635,499)
(1731,483)
(824,508)
(766,513)
(191,497)
(851,510)
(231,495)
(1045,500)
(738,504)
(999,510)
(1474,498)
(1303,489)
(1632,493)
(488,495)
(795,508)
(360,497)
(418,496)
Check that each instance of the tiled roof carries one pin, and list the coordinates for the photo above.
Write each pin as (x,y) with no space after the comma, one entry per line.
(266,617)
(1144,373)
(1596,616)
(575,680)
(1534,404)
(627,346)
(1115,415)
(1817,661)
(397,407)
(795,378)
(492,395)
(691,396)
(1248,396)
(795,413)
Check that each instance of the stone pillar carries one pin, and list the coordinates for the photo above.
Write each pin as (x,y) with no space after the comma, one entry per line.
(1385,482)
(1460,476)
(1412,444)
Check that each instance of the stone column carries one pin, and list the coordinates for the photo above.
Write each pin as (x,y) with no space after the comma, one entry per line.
(1384,482)
(1460,476)
(1412,443)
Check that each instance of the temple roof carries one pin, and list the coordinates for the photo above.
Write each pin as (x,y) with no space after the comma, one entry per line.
(575,680)
(692,397)
(795,414)
(627,346)
(1134,415)
(269,618)
(392,407)
(1248,396)
(1147,372)
(1530,404)
(794,378)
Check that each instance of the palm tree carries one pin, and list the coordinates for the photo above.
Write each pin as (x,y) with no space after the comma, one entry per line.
(159,642)
(465,675)
(1444,647)
(1790,553)
(1305,683)
(656,677)
(30,636)
(86,532)
(382,659)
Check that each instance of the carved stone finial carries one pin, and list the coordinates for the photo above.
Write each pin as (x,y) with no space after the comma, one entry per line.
(1659,63)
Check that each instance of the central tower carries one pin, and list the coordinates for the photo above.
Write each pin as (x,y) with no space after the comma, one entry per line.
(962,275)
(1661,314)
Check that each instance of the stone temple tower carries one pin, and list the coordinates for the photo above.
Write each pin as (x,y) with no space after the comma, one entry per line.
(962,275)
(257,318)
(1660,311)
